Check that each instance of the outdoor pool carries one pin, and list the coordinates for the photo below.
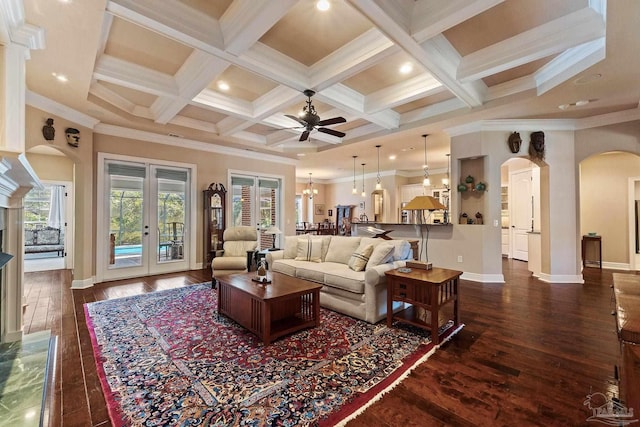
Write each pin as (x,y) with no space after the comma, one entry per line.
(128,250)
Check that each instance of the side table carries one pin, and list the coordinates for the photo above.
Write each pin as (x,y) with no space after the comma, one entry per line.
(425,290)
(592,245)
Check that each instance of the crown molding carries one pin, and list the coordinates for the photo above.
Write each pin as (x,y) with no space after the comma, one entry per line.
(184,143)
(45,104)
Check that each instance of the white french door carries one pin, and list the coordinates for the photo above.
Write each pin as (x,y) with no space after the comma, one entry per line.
(145,221)
(255,201)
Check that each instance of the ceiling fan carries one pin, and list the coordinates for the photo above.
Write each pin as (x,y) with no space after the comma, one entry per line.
(310,120)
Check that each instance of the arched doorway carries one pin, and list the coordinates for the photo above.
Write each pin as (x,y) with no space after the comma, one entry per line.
(520,212)
(48,212)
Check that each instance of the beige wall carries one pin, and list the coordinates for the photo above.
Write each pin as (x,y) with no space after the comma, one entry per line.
(604,205)
(51,167)
(82,159)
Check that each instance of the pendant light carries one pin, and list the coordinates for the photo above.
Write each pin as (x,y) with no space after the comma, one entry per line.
(378,183)
(354,190)
(426,181)
(363,193)
(310,191)
(445,180)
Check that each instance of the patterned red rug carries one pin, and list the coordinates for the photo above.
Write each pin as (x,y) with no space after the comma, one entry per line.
(167,358)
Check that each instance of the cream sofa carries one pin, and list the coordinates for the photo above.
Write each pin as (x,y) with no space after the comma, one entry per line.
(326,260)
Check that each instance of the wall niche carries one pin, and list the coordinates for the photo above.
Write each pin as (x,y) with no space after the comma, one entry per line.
(471,188)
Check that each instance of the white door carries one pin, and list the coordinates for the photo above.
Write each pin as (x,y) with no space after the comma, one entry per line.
(521,212)
(145,219)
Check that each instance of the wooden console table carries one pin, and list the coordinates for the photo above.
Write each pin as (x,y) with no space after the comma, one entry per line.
(428,290)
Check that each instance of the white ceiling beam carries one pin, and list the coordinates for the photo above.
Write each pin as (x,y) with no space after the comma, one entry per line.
(431,111)
(245,21)
(351,101)
(273,65)
(361,53)
(548,39)
(569,63)
(511,87)
(194,75)
(274,101)
(401,93)
(14,29)
(232,125)
(190,123)
(432,17)
(439,58)
(133,76)
(173,19)
(109,96)
(224,104)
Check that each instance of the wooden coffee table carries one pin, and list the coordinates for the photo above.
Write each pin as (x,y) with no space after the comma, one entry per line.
(287,305)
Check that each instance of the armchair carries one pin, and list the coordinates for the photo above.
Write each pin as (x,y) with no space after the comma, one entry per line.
(239,245)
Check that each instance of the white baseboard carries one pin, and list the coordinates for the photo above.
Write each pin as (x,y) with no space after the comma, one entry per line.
(82,284)
(483,278)
(616,266)
(561,278)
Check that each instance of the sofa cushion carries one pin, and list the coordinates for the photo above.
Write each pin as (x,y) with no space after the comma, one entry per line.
(229,263)
(360,257)
(311,271)
(290,247)
(309,250)
(382,254)
(284,266)
(342,277)
(238,248)
(341,248)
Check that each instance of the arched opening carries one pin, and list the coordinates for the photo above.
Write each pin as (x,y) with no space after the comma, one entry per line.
(520,212)
(48,212)
(609,207)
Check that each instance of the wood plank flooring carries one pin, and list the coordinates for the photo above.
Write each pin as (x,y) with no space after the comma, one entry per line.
(529,354)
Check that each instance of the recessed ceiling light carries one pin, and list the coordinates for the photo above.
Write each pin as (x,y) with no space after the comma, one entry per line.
(587,79)
(61,77)
(408,149)
(300,154)
(223,85)
(406,68)
(563,106)
(323,5)
(582,102)
(392,157)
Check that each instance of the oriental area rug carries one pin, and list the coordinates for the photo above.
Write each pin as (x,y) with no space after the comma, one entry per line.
(168,358)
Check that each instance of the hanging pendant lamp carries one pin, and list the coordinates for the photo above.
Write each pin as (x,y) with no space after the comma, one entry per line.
(363,193)
(378,182)
(354,190)
(426,181)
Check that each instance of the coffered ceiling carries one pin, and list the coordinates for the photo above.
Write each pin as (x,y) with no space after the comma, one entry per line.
(162,66)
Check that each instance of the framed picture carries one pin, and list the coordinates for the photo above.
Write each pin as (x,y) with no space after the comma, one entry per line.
(318,209)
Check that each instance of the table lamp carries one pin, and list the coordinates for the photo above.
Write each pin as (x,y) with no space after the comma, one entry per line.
(273,230)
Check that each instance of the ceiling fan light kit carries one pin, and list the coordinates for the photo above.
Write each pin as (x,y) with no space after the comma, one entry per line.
(310,120)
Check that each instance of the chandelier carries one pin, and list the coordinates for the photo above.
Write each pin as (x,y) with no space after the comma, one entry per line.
(445,180)
(426,181)
(363,193)
(354,190)
(378,183)
(310,191)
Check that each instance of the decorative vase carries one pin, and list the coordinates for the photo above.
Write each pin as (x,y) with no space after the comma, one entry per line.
(262,270)
(481,186)
(462,187)
(469,179)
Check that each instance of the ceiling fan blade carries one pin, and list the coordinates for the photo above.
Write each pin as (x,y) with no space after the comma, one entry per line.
(302,122)
(332,121)
(304,136)
(332,132)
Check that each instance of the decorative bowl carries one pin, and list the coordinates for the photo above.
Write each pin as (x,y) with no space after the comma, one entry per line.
(592,234)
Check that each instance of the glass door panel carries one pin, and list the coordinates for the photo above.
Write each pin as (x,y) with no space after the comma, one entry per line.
(146,221)
(171,215)
(255,201)
(126,190)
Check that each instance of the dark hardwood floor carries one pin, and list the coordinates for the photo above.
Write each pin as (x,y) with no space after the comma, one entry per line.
(529,354)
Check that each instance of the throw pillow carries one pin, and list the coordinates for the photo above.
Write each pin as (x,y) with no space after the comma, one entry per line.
(382,254)
(360,257)
(309,250)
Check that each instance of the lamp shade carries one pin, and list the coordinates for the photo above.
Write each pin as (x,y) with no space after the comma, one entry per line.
(426,203)
(272,230)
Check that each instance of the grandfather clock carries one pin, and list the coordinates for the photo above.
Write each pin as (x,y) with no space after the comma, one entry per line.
(214,220)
